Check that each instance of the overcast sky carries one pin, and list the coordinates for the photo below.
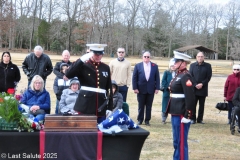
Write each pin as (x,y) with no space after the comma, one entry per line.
(200,1)
(214,1)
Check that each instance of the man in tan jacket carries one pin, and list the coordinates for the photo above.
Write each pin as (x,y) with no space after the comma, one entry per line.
(120,69)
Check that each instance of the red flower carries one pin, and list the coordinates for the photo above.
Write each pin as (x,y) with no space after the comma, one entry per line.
(1,100)
(153,64)
(18,97)
(33,125)
(10,91)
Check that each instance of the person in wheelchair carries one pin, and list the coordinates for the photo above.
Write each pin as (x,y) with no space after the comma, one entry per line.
(117,98)
(236,103)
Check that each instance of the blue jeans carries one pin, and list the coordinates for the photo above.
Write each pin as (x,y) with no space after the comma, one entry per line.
(40,117)
(123,90)
(180,136)
(57,107)
(230,106)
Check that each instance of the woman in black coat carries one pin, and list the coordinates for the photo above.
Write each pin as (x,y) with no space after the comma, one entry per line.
(10,74)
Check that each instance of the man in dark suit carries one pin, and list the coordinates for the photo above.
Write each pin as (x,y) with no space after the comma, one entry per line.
(201,73)
(146,83)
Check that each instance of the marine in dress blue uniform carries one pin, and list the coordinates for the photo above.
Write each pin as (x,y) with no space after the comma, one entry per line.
(181,105)
(95,80)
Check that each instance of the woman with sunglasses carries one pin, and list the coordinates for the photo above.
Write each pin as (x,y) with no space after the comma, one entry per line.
(231,84)
(10,74)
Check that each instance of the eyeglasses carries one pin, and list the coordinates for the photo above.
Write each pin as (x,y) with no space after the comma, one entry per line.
(146,56)
(236,69)
(120,52)
(37,82)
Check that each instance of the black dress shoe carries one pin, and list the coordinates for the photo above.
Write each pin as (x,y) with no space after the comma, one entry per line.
(193,122)
(201,122)
(147,123)
(139,123)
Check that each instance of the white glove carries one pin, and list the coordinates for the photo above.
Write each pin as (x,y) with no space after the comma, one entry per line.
(108,113)
(86,56)
(185,120)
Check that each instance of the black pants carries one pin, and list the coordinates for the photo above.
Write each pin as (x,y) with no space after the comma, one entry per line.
(237,112)
(230,106)
(123,90)
(201,100)
(144,102)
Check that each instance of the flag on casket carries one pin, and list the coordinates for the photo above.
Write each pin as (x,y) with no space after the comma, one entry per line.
(117,122)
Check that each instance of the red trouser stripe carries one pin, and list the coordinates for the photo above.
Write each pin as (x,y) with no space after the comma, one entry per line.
(99,145)
(41,144)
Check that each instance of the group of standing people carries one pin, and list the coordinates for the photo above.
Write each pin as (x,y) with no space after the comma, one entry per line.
(37,66)
(89,83)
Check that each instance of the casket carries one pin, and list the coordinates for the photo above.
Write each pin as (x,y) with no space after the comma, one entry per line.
(70,123)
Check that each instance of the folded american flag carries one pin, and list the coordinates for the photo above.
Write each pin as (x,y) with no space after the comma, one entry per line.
(116,122)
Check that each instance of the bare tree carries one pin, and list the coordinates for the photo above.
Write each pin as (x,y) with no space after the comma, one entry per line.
(217,15)
(177,9)
(232,22)
(70,10)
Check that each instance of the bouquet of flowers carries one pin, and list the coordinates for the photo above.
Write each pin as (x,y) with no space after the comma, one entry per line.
(10,114)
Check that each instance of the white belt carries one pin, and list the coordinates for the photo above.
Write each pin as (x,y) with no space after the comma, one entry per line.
(99,90)
(177,95)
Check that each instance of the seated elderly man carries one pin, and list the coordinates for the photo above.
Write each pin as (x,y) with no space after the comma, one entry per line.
(36,100)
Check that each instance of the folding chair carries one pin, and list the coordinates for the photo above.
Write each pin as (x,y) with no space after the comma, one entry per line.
(125,108)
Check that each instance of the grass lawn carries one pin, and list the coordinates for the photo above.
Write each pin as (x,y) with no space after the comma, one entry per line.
(210,141)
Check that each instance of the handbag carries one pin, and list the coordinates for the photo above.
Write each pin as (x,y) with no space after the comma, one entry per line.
(222,106)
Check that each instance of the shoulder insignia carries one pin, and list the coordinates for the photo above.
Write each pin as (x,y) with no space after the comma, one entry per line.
(188,83)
